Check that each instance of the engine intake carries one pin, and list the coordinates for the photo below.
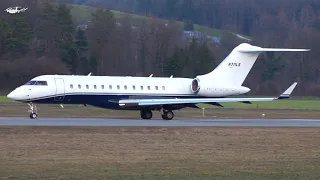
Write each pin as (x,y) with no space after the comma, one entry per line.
(195,87)
(207,88)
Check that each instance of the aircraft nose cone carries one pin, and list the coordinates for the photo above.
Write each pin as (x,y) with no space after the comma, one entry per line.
(10,95)
(17,95)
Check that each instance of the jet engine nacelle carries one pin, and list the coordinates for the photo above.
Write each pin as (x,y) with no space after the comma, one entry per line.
(205,87)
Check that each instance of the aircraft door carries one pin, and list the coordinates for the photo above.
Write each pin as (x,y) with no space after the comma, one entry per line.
(60,89)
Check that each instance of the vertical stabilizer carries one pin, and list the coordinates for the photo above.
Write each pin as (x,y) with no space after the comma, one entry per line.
(234,69)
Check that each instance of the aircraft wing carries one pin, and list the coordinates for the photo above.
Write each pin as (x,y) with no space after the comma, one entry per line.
(168,101)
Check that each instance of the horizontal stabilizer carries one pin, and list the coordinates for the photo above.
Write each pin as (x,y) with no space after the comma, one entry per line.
(259,50)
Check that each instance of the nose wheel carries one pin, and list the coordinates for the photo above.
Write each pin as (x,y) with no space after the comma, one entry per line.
(33,111)
(33,115)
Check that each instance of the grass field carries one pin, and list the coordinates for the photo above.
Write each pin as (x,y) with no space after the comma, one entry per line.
(81,13)
(281,104)
(4,99)
(159,153)
(20,110)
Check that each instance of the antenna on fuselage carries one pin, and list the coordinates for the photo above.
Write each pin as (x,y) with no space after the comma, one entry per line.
(89,74)
(150,75)
(171,76)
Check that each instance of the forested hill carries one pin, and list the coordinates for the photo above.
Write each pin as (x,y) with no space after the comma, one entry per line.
(237,15)
(46,40)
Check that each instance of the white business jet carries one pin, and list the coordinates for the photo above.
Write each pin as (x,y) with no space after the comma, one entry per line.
(149,93)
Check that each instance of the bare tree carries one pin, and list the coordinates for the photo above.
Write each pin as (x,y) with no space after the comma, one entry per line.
(102,24)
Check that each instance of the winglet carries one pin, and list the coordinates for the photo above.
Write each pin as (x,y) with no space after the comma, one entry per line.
(288,92)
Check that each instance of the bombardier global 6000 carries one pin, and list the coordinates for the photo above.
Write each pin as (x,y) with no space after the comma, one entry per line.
(147,94)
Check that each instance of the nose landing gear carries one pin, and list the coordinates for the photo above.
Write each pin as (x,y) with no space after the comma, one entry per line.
(33,111)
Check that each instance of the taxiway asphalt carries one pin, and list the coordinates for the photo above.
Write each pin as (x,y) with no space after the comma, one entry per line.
(178,122)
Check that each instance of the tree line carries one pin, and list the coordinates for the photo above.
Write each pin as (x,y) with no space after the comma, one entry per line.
(45,40)
(242,16)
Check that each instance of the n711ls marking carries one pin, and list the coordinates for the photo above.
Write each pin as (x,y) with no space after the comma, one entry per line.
(149,93)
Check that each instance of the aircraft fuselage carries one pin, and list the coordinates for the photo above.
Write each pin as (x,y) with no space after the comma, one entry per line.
(106,91)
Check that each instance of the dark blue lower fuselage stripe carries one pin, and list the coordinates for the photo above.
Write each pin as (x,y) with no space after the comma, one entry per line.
(103,100)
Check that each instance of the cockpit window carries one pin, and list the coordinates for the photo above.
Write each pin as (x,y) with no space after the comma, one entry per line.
(30,83)
(37,83)
(41,83)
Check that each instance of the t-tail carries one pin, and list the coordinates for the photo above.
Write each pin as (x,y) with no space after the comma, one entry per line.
(234,69)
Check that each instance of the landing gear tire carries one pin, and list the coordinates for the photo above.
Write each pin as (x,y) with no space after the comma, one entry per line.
(167,115)
(33,115)
(33,111)
(146,114)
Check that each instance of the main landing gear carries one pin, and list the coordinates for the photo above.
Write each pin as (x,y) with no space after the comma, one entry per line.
(146,114)
(33,111)
(165,114)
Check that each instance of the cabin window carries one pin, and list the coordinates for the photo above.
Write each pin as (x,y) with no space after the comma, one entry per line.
(118,87)
(95,86)
(110,86)
(134,87)
(163,88)
(141,87)
(157,88)
(79,86)
(148,87)
(102,86)
(87,86)
(71,86)
(125,87)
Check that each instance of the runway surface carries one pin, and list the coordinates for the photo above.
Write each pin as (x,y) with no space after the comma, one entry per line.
(179,122)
